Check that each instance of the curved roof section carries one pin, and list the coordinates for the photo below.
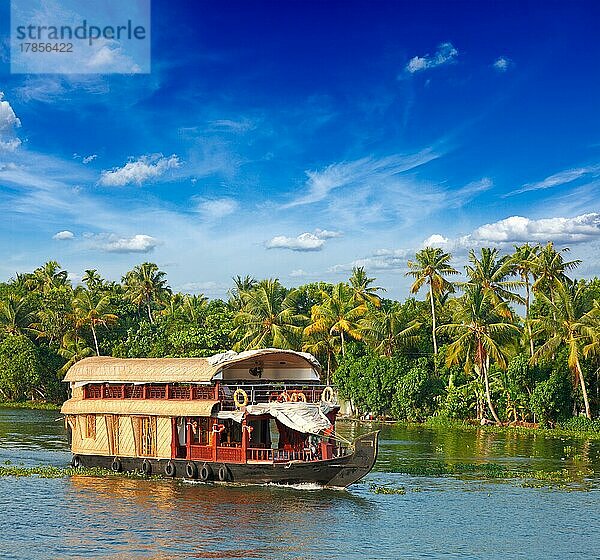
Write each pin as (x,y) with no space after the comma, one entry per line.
(101,369)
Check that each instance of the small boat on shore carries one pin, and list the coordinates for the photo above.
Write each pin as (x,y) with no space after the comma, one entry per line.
(261,416)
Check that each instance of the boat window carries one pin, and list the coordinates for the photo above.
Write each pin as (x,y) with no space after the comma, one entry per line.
(148,435)
(232,435)
(201,428)
(90,426)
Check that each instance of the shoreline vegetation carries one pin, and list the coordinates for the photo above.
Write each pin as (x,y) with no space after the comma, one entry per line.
(511,339)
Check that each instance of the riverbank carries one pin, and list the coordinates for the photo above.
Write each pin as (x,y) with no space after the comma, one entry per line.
(574,427)
(30,405)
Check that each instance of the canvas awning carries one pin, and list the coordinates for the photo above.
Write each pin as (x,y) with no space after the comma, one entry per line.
(307,418)
(140,407)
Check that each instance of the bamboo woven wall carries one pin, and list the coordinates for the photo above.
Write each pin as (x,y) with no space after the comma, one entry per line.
(126,444)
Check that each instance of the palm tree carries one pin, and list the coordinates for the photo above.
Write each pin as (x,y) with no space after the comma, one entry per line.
(339,314)
(268,318)
(73,348)
(16,316)
(387,328)
(523,262)
(93,280)
(241,285)
(52,324)
(93,312)
(569,325)
(361,286)
(47,277)
(430,267)
(145,285)
(480,331)
(550,269)
(324,344)
(490,271)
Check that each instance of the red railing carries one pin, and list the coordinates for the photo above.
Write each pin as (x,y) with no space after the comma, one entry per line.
(134,392)
(92,392)
(166,391)
(230,454)
(202,452)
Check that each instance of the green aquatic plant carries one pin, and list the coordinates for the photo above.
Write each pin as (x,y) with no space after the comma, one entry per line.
(376,489)
(63,472)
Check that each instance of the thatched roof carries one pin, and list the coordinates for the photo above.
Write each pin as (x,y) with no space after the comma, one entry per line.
(103,369)
(133,407)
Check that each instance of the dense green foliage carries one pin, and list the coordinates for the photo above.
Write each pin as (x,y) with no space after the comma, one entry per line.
(515,340)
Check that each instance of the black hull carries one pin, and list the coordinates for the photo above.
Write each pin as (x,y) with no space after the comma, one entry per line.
(337,473)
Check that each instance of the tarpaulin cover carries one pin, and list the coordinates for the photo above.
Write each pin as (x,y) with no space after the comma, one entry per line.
(308,418)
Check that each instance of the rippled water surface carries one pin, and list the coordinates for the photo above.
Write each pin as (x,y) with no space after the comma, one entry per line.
(437,517)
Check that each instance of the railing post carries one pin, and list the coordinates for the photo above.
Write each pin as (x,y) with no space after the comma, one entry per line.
(167,391)
(245,438)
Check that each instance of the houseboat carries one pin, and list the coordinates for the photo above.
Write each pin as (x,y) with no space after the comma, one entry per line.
(260,416)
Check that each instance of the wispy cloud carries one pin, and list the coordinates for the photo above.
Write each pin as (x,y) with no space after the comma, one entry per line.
(216,208)
(304,242)
(502,64)
(446,53)
(338,175)
(139,171)
(381,260)
(560,178)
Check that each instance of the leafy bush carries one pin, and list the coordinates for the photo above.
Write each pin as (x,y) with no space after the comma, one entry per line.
(370,381)
(20,367)
(416,393)
(552,399)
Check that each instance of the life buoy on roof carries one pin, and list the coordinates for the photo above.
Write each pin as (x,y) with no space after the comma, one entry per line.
(240,398)
(328,395)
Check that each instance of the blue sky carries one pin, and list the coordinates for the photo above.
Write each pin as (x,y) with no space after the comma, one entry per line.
(297,139)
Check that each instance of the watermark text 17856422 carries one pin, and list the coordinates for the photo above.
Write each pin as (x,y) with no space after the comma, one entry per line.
(80,37)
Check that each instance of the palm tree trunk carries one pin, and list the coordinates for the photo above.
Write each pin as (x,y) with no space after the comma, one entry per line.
(527,304)
(484,367)
(586,402)
(433,322)
(95,340)
(149,312)
(343,345)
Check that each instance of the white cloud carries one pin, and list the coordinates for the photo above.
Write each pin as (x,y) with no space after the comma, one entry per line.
(145,168)
(136,244)
(561,178)
(215,209)
(320,183)
(109,57)
(9,122)
(89,159)
(445,54)
(298,273)
(303,242)
(518,229)
(63,235)
(436,240)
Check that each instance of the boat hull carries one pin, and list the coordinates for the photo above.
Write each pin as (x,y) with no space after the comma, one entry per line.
(338,473)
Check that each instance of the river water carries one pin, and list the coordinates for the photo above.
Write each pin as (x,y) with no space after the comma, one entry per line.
(438,516)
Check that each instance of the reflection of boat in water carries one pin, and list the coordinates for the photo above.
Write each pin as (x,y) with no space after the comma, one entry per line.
(213,419)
